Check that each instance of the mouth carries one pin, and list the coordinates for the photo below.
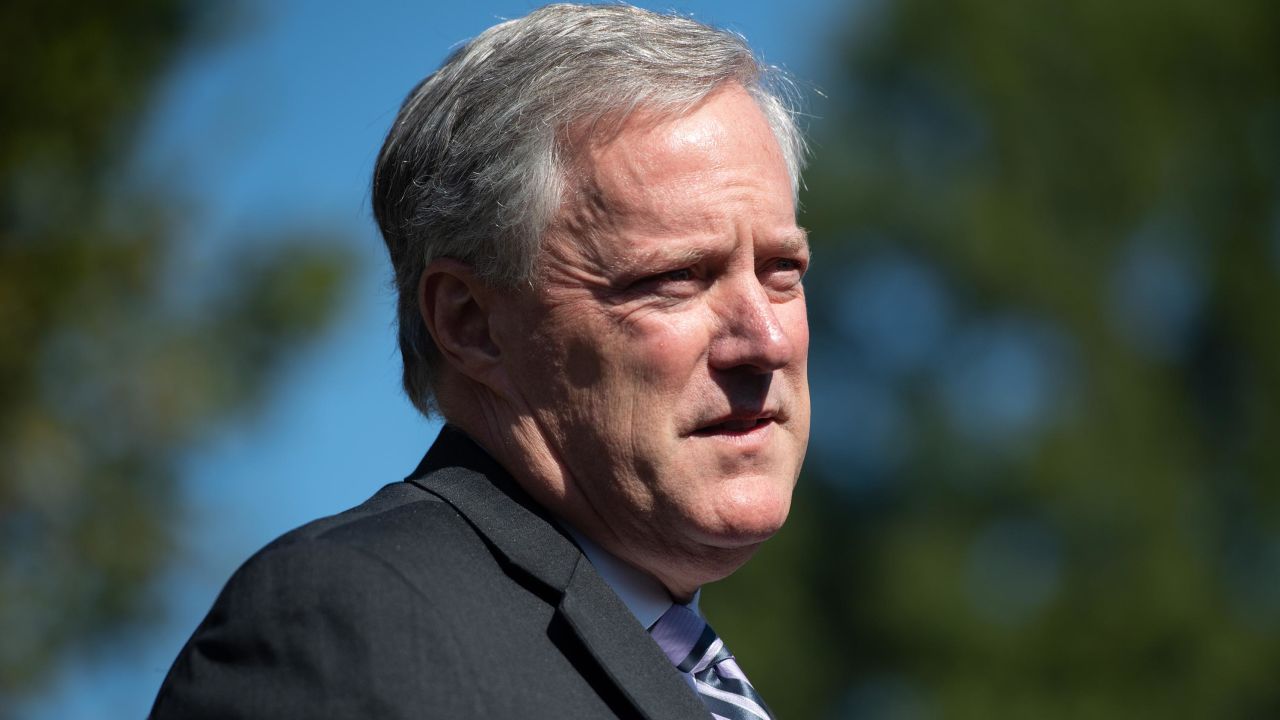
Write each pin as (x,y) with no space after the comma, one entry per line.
(736,426)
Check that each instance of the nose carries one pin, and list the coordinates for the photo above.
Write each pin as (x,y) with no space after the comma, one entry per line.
(750,334)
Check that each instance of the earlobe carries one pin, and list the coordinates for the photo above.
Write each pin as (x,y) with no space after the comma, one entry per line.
(455,307)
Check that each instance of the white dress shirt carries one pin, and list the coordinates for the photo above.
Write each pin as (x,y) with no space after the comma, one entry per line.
(643,595)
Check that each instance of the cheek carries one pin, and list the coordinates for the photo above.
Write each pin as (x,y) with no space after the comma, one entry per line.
(583,363)
(796,325)
(665,349)
(794,318)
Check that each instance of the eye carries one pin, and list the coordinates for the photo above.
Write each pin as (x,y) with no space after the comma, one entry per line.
(678,283)
(784,273)
(670,277)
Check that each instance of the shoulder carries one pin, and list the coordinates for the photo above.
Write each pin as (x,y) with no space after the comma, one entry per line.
(396,538)
(403,528)
(403,536)
(337,619)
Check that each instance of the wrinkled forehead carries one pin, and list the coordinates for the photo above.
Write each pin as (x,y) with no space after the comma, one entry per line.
(622,166)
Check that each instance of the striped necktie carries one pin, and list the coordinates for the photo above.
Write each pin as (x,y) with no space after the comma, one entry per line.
(694,648)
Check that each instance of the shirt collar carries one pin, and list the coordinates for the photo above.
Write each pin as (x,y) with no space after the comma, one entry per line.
(643,595)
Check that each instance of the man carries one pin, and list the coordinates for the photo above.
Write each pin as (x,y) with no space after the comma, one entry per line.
(591,214)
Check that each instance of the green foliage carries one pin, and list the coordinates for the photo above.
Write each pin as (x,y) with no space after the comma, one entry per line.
(110,365)
(1099,182)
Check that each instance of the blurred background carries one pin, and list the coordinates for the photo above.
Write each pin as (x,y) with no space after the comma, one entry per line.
(1046,342)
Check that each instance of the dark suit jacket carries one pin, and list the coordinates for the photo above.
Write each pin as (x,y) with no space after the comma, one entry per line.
(449,595)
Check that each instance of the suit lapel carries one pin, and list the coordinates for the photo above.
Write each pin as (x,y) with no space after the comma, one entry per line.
(624,649)
(522,533)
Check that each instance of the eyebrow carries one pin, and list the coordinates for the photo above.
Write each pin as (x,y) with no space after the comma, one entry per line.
(796,241)
(789,242)
(664,256)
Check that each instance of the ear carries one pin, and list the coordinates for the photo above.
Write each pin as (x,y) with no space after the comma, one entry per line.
(456,306)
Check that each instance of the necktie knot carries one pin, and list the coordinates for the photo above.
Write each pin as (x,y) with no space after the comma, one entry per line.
(694,648)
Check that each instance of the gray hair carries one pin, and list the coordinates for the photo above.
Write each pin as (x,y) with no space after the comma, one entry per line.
(475,166)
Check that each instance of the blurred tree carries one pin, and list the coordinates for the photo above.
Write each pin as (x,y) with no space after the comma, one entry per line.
(1046,360)
(109,368)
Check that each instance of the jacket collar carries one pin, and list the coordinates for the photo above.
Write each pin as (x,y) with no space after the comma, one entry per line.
(523,534)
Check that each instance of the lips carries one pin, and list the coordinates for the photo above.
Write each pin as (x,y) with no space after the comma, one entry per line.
(736,424)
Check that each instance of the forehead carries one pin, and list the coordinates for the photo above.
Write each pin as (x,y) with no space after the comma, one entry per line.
(727,128)
(675,173)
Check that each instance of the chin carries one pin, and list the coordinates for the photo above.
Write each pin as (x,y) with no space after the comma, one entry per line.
(747,518)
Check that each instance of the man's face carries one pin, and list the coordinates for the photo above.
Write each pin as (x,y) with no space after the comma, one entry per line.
(660,361)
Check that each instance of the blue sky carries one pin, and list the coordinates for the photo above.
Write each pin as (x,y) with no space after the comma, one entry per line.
(277,127)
